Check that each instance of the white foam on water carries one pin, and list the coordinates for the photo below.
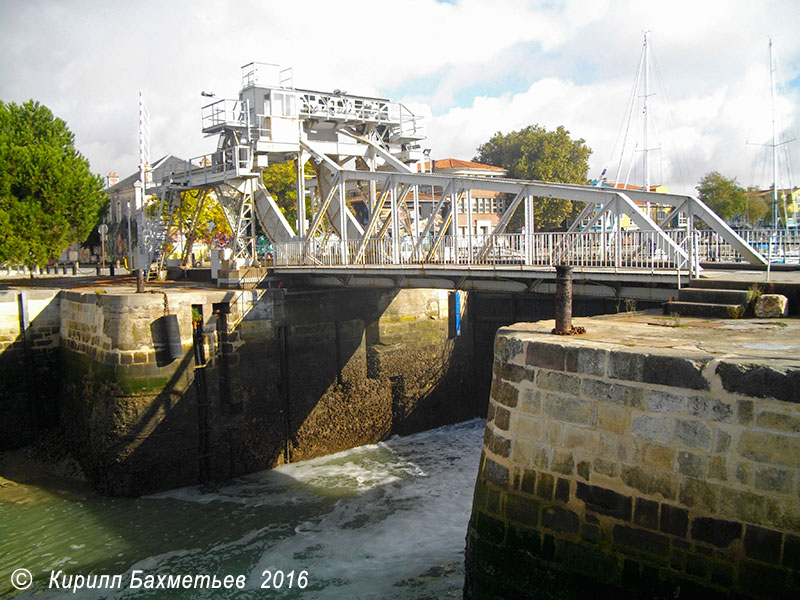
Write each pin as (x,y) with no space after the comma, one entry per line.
(384,521)
(369,545)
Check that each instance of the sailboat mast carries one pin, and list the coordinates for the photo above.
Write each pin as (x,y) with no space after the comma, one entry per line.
(774,140)
(646,147)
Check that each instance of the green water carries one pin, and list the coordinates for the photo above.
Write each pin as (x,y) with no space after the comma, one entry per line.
(380,521)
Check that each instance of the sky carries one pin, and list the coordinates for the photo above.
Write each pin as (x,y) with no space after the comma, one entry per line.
(472,68)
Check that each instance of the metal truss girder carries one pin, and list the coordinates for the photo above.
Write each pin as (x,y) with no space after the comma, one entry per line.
(446,190)
(387,156)
(270,216)
(398,201)
(646,223)
(508,186)
(373,221)
(576,224)
(302,159)
(678,210)
(443,230)
(353,229)
(502,223)
(324,207)
(710,218)
(238,213)
(321,156)
(698,209)
(609,199)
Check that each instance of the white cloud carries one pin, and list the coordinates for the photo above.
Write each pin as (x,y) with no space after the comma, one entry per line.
(476,67)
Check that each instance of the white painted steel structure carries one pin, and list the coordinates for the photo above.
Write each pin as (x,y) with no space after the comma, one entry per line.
(649,247)
(363,146)
(271,122)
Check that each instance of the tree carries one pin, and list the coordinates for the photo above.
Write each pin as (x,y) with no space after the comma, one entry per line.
(722,195)
(48,197)
(200,217)
(280,179)
(535,153)
(757,208)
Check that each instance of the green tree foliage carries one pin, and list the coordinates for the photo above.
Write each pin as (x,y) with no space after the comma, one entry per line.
(48,197)
(757,207)
(280,179)
(200,218)
(535,153)
(722,195)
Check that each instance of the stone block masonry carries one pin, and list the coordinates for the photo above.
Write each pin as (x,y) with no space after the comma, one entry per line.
(151,398)
(29,341)
(641,461)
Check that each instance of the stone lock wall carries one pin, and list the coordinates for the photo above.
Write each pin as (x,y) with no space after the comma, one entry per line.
(652,473)
(29,341)
(127,406)
(270,377)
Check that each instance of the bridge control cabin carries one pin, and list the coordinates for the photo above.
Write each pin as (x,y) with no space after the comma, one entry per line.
(271,117)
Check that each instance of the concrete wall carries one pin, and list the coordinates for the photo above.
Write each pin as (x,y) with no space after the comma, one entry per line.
(272,377)
(658,472)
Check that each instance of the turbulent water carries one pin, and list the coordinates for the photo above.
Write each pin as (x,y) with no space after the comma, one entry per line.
(382,521)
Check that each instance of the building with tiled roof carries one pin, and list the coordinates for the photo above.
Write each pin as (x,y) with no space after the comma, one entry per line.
(456,166)
(487,206)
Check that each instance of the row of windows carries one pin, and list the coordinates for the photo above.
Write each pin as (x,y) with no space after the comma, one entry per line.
(484,205)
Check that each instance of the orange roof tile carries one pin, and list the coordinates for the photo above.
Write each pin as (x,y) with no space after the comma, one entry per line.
(455,163)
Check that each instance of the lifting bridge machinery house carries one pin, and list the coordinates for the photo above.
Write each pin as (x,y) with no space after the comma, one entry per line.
(371,147)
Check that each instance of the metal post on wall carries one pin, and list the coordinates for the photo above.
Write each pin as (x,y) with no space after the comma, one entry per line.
(563,300)
(564,324)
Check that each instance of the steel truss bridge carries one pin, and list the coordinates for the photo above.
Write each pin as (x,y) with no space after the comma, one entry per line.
(364,148)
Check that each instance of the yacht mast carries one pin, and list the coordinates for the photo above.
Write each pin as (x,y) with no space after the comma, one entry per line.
(646,147)
(774,140)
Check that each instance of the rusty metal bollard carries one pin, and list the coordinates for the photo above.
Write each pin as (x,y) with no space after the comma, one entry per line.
(139,281)
(563,300)
(564,303)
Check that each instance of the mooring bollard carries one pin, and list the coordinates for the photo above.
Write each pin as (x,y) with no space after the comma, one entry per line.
(563,300)
(139,281)
(564,303)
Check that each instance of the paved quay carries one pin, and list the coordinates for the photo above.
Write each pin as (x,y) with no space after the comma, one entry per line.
(774,339)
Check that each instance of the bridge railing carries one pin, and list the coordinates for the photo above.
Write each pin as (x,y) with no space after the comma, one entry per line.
(782,245)
(597,249)
(710,247)
(229,163)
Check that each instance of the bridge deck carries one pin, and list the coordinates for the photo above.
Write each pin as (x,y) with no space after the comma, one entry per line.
(646,284)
